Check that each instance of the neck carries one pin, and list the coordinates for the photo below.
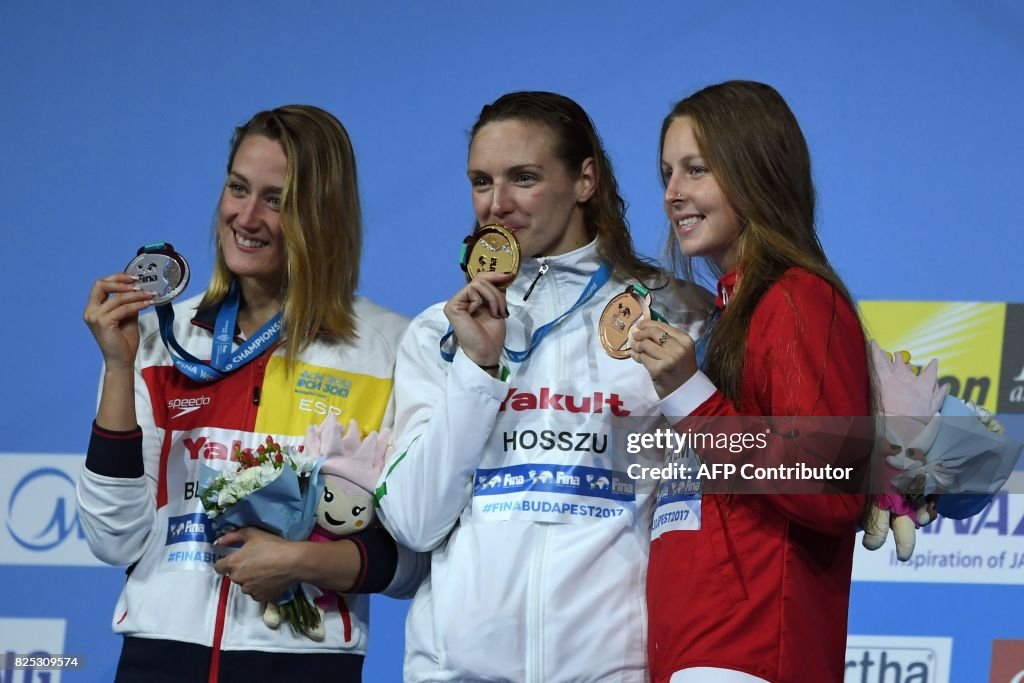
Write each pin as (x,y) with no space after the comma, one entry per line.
(261,301)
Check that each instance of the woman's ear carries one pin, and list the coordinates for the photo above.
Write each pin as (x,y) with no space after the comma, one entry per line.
(586,183)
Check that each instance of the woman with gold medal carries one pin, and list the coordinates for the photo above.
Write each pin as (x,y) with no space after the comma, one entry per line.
(508,407)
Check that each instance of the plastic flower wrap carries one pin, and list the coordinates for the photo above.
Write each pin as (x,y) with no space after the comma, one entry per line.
(273,488)
(930,444)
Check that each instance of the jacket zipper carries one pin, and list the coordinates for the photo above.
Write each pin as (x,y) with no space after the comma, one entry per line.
(543,269)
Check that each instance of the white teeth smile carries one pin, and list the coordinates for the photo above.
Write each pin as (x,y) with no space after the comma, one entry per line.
(248,243)
(688,221)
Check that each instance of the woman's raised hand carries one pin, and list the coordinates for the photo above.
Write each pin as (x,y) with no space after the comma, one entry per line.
(112,314)
(667,353)
(477,314)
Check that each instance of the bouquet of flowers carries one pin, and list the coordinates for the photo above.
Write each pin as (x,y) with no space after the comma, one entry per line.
(930,444)
(276,489)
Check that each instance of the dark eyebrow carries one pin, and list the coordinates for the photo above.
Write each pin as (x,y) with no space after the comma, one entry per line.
(524,167)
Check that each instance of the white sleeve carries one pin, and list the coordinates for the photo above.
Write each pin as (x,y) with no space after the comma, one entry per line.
(117,506)
(445,413)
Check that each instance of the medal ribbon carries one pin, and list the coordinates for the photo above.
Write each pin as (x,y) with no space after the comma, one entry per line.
(597,281)
(223,359)
(701,345)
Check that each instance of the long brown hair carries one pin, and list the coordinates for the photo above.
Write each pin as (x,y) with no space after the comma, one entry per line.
(320,221)
(753,145)
(604,214)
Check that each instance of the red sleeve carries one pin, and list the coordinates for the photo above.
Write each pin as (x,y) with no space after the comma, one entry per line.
(806,358)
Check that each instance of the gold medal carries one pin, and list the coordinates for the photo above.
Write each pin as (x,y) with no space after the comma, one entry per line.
(491,249)
(619,318)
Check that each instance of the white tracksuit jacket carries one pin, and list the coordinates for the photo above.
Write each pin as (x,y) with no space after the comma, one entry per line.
(156,521)
(539,539)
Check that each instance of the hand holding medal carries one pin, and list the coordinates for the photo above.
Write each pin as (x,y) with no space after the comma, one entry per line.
(630,328)
(620,318)
(490,259)
(154,277)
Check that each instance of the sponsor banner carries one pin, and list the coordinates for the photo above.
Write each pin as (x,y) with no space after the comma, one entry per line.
(34,637)
(898,659)
(966,338)
(39,511)
(987,548)
(1007,662)
(1011,379)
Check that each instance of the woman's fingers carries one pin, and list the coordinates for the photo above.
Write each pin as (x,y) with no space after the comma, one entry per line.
(475,295)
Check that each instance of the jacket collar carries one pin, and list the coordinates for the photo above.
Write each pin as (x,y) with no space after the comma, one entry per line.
(580,262)
(726,285)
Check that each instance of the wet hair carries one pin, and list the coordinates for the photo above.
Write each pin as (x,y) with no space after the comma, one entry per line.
(576,140)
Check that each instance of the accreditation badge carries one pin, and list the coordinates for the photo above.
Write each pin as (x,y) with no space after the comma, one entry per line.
(160,269)
(678,506)
(491,249)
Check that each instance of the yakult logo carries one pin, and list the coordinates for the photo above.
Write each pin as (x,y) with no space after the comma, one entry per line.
(521,401)
(208,449)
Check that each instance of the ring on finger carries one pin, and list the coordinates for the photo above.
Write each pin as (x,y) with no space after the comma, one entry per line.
(663,338)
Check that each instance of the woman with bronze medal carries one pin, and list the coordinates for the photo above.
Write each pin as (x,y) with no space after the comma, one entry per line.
(758,588)
(508,408)
(277,341)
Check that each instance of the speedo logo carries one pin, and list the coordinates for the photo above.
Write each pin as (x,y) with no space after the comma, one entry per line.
(184,406)
(521,401)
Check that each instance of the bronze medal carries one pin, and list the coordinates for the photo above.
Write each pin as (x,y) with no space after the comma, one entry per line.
(491,249)
(619,317)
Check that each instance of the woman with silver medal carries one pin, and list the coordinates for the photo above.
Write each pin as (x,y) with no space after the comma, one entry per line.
(250,359)
(508,408)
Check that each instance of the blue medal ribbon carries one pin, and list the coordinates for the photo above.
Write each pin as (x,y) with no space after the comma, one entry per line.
(223,357)
(701,345)
(597,281)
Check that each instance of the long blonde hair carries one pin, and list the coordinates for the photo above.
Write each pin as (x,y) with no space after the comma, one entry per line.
(320,221)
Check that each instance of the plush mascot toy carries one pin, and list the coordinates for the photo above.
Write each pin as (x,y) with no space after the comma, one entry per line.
(350,474)
(910,403)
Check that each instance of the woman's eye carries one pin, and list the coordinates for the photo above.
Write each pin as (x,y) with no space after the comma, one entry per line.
(480,182)
(525,178)
(236,189)
(698,171)
(274,202)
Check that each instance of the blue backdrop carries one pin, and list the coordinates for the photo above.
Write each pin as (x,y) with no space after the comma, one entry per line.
(116,120)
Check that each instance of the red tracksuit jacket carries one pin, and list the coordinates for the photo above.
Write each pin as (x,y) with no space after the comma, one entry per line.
(763,586)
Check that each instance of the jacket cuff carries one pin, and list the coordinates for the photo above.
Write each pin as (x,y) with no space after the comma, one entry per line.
(688,397)
(115,454)
(378,555)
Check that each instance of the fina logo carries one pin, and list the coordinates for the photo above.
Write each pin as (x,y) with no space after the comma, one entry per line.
(41,532)
(188,529)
